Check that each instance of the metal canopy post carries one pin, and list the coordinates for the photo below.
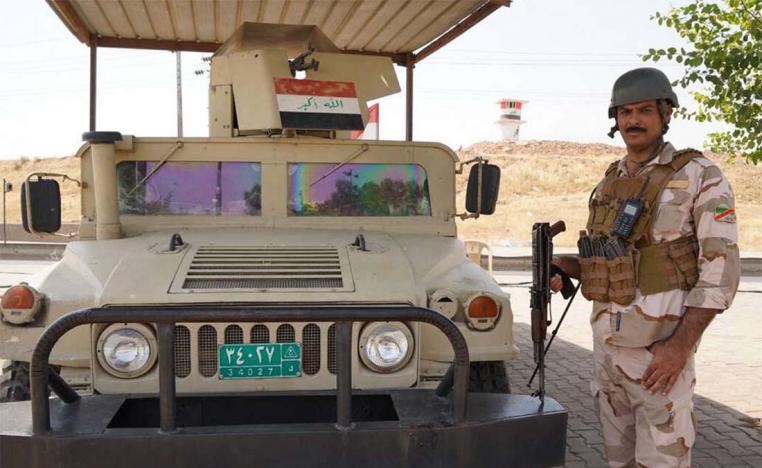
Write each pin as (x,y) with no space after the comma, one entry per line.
(93,78)
(409,66)
(178,74)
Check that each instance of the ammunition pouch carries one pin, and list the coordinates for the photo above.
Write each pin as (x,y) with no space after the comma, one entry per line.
(594,276)
(622,279)
(651,269)
(669,265)
(609,280)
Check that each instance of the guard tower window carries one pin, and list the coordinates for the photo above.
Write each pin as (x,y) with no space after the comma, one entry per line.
(190,188)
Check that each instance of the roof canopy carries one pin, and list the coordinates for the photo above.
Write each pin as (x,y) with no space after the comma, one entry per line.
(294,39)
(394,28)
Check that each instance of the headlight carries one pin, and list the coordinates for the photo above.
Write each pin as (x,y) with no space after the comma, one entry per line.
(386,346)
(127,350)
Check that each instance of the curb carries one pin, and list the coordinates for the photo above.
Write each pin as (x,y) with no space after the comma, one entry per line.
(32,250)
(751,266)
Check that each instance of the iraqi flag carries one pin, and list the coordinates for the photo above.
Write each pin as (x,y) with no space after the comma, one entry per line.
(318,105)
(371,130)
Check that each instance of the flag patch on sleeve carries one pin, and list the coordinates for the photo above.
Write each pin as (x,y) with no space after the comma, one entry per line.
(725,214)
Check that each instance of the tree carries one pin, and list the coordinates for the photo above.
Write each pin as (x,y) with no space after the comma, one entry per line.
(723,70)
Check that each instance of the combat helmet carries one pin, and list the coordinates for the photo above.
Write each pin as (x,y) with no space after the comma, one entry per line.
(641,84)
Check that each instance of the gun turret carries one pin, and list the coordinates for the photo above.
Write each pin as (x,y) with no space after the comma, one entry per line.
(253,88)
(299,63)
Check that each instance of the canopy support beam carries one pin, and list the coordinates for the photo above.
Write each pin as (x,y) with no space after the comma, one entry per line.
(70,17)
(93,78)
(409,66)
(157,44)
(468,23)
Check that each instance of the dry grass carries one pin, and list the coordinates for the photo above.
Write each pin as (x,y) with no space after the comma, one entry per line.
(550,180)
(541,181)
(16,172)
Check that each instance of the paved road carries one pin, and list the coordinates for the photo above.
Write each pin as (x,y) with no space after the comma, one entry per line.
(13,271)
(729,367)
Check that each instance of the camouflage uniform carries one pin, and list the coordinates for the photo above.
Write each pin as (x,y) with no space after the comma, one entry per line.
(638,427)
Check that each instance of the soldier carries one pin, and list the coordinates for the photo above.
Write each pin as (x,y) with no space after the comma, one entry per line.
(666,263)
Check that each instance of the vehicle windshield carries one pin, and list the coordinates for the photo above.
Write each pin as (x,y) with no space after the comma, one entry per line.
(190,188)
(327,189)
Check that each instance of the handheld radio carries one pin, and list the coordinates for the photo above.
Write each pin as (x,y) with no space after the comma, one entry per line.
(629,213)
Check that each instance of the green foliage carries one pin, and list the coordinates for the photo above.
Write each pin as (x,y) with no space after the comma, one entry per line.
(388,198)
(723,70)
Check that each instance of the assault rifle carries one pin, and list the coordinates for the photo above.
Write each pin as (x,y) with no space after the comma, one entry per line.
(542,271)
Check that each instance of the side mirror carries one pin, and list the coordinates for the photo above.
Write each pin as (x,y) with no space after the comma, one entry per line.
(41,206)
(482,191)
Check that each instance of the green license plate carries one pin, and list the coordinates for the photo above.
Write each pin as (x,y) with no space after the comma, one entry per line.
(260,361)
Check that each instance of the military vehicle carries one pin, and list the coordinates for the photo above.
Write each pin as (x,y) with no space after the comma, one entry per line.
(276,294)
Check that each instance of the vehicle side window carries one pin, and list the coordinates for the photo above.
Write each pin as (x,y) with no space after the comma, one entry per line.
(325,189)
(190,188)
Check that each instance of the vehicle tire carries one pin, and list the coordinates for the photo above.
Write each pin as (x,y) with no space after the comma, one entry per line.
(14,383)
(488,377)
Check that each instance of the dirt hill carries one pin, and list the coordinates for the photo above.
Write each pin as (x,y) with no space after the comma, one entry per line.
(552,180)
(16,171)
(541,181)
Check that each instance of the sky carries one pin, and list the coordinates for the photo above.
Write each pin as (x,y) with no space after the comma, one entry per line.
(562,56)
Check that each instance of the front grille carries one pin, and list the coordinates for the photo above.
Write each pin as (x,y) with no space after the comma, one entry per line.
(311,349)
(233,334)
(259,334)
(312,335)
(207,351)
(332,349)
(285,334)
(182,351)
(265,267)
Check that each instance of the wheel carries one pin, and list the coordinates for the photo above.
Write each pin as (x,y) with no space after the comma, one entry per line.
(488,377)
(14,383)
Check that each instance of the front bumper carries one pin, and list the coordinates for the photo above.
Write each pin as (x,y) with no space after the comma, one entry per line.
(345,428)
(499,431)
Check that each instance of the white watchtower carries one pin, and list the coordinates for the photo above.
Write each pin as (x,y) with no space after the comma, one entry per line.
(510,118)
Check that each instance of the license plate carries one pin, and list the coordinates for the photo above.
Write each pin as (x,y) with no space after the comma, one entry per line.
(260,361)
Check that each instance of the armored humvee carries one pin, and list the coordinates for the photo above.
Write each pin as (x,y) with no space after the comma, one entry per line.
(276,294)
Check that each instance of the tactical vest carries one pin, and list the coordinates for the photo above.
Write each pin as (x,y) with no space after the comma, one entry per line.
(649,267)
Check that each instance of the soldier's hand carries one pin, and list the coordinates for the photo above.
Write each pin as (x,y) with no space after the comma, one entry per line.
(556,283)
(668,362)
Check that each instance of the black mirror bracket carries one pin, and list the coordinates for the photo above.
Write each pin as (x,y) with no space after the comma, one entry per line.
(27,190)
(461,166)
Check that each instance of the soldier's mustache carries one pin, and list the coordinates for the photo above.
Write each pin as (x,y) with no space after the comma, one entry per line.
(635,130)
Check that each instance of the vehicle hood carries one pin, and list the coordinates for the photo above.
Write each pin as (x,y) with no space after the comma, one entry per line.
(143,270)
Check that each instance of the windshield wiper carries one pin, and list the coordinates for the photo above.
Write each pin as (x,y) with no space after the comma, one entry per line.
(158,166)
(335,168)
